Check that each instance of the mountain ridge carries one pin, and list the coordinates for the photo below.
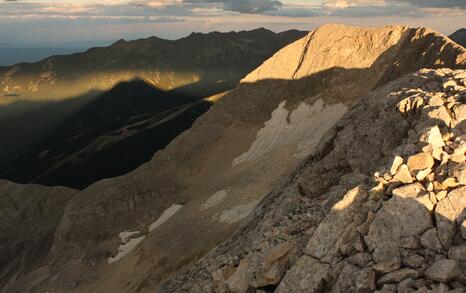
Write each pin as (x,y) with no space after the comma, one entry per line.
(211,180)
(460,37)
(42,91)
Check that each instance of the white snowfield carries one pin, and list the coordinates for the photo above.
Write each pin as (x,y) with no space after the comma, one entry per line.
(215,199)
(165,216)
(127,247)
(304,126)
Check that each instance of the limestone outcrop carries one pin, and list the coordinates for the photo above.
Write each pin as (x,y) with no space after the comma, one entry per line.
(371,229)
(277,163)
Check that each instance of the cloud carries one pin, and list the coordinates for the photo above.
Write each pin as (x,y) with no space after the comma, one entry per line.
(243,6)
(412,8)
(437,3)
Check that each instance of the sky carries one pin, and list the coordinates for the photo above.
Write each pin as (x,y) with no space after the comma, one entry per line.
(83,23)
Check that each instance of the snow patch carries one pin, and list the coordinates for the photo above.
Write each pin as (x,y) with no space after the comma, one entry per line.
(215,199)
(165,216)
(305,126)
(127,235)
(129,244)
(237,213)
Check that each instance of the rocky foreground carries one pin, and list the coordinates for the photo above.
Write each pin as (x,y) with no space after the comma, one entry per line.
(232,203)
(381,207)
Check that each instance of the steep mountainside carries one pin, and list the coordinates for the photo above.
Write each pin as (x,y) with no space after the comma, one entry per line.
(460,37)
(29,215)
(380,206)
(133,232)
(110,136)
(52,113)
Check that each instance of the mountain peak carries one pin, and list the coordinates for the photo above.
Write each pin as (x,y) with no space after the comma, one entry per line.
(459,37)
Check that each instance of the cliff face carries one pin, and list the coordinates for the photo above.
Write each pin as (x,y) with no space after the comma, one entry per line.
(380,206)
(203,186)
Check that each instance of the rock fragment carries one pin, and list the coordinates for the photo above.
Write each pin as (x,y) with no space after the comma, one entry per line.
(420,162)
(443,270)
(307,275)
(398,276)
(430,240)
(404,175)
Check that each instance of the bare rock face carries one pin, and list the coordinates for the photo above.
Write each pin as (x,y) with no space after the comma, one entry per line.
(383,235)
(29,215)
(282,157)
(307,275)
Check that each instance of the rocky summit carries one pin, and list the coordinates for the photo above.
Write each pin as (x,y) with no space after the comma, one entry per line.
(338,165)
(394,223)
(460,37)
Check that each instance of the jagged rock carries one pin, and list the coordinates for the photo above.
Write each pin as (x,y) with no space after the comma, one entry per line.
(339,227)
(460,113)
(420,162)
(443,270)
(394,234)
(406,286)
(414,261)
(441,195)
(220,276)
(387,263)
(436,116)
(449,213)
(388,288)
(445,216)
(238,281)
(346,276)
(458,155)
(410,242)
(273,266)
(404,215)
(449,182)
(397,162)
(421,175)
(433,137)
(398,276)
(459,172)
(450,86)
(307,275)
(365,281)
(361,259)
(430,240)
(457,252)
(410,103)
(457,198)
(404,175)
(436,99)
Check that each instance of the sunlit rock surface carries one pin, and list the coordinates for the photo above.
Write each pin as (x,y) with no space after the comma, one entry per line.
(276,195)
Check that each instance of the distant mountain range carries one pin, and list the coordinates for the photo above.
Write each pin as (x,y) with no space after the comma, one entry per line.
(460,37)
(11,56)
(311,175)
(72,120)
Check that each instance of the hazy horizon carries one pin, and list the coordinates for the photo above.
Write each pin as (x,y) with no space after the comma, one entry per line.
(65,23)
